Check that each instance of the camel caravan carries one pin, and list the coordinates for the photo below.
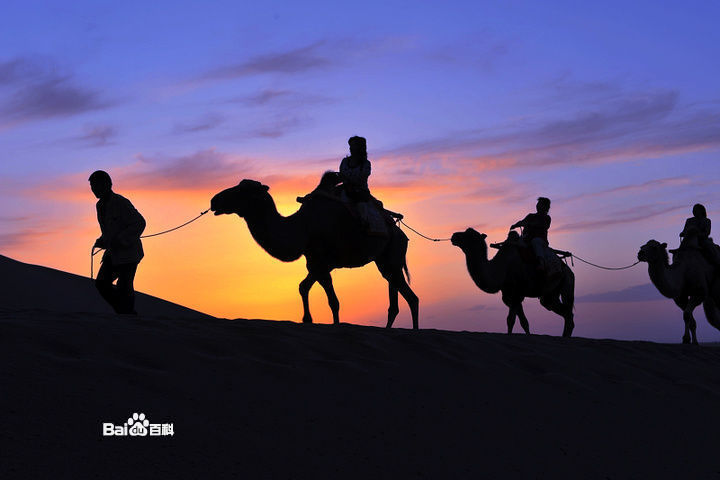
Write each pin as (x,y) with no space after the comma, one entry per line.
(341,225)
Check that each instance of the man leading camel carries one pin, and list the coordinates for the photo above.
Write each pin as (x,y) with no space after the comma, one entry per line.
(121,226)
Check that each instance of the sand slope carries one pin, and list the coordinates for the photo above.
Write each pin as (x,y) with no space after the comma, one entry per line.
(257,399)
(31,286)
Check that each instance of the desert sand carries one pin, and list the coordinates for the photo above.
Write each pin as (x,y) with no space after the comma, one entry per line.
(260,399)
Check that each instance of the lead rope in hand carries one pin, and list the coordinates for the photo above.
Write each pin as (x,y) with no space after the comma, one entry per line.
(93,252)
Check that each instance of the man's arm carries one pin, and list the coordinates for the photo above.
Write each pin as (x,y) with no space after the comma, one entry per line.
(133,224)
(685,228)
(521,223)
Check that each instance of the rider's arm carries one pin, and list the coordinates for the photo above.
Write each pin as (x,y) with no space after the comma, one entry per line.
(685,228)
(521,223)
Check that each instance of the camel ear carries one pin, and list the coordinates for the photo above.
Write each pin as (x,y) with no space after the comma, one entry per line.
(483,236)
(663,245)
(266,187)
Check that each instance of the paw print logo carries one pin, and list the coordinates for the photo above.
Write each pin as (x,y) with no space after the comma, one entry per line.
(138,425)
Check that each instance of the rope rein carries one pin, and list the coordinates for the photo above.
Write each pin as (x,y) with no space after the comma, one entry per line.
(178,227)
(572,255)
(424,236)
(94,252)
(604,268)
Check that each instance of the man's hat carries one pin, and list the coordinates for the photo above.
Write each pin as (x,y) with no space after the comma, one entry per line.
(358,142)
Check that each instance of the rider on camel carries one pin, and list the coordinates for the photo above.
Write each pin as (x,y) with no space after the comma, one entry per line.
(535,230)
(354,172)
(696,233)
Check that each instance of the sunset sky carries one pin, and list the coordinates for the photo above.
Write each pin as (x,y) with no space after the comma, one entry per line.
(471,110)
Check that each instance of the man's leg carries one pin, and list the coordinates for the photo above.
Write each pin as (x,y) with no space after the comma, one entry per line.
(538,245)
(104,283)
(125,289)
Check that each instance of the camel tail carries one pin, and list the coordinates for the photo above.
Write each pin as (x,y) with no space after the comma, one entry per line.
(406,270)
(712,312)
(568,293)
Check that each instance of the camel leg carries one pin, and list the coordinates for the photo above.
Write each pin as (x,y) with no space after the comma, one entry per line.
(523,319)
(396,281)
(305,287)
(410,298)
(682,302)
(512,312)
(325,280)
(393,309)
(552,302)
(511,318)
(693,302)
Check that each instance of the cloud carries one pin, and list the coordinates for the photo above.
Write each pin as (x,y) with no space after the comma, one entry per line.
(298,60)
(35,89)
(21,237)
(11,219)
(285,98)
(634,188)
(204,168)
(276,127)
(208,122)
(635,214)
(639,293)
(624,127)
(98,135)
(481,50)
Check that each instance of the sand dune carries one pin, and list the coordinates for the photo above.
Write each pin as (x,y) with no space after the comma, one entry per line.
(31,286)
(258,399)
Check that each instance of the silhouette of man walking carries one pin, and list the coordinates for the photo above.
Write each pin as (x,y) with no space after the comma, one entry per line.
(121,226)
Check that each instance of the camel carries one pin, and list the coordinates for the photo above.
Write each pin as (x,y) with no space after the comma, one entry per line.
(516,279)
(325,232)
(689,281)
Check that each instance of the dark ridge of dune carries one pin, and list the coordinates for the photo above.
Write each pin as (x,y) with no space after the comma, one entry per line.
(259,399)
(26,286)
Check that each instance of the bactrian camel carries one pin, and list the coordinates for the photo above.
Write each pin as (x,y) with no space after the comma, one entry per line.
(508,273)
(690,280)
(325,232)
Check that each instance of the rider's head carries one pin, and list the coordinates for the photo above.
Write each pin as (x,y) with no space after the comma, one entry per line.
(699,210)
(100,183)
(543,205)
(358,146)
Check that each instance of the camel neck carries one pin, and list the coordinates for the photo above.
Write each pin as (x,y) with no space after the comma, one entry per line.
(281,237)
(484,272)
(664,278)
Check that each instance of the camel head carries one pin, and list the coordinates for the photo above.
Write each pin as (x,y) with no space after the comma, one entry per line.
(468,239)
(653,251)
(240,198)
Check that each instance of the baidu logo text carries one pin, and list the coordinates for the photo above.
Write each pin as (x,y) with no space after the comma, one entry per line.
(138,426)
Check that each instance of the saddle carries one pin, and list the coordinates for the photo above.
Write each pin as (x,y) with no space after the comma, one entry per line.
(709,250)
(527,254)
(374,219)
(524,250)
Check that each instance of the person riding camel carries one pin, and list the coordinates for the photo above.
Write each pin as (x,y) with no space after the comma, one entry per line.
(354,172)
(696,233)
(535,231)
